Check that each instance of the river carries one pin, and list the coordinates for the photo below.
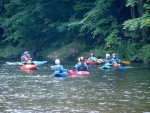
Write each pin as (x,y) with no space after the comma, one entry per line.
(111,91)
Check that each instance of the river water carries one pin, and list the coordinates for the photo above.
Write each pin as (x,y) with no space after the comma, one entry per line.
(111,91)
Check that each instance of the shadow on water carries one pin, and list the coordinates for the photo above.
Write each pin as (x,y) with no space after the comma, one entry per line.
(111,91)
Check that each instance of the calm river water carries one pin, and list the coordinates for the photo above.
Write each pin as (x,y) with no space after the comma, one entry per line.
(115,91)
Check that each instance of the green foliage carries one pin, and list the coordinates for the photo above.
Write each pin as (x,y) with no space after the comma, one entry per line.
(140,22)
(146,53)
(82,47)
(10,51)
(132,2)
(145,20)
(102,18)
(136,52)
(134,24)
(43,27)
(113,41)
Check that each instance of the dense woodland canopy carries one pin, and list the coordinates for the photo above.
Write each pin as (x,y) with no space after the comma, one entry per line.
(101,26)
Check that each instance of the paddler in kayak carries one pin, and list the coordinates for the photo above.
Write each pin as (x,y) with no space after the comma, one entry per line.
(81,65)
(115,61)
(107,60)
(26,58)
(57,68)
(92,58)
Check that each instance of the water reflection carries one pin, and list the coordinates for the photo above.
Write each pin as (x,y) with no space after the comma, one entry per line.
(116,91)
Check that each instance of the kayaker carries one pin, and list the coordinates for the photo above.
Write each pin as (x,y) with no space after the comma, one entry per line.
(115,61)
(81,65)
(57,68)
(92,58)
(107,60)
(24,56)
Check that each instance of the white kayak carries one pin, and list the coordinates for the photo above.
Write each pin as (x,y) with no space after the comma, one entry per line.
(20,63)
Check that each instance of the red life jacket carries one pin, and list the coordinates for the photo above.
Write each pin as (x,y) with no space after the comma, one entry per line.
(25,57)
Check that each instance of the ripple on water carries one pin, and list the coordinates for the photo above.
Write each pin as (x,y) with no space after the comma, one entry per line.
(103,91)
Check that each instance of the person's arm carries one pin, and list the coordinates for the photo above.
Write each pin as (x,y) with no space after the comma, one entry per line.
(76,66)
(86,66)
(103,61)
(118,60)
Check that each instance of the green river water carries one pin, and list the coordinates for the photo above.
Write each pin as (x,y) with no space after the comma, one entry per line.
(111,91)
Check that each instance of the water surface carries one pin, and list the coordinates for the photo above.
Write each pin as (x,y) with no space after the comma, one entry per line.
(111,91)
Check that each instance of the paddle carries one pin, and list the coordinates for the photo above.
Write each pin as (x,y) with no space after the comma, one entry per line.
(125,62)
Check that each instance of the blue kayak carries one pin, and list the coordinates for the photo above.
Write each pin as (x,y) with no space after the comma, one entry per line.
(110,67)
(63,74)
(21,63)
(39,62)
(106,67)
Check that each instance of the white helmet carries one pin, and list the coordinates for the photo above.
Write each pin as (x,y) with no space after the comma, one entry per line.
(57,61)
(107,55)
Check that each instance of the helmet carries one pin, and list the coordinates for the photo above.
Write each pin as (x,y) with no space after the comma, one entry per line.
(92,54)
(81,58)
(26,52)
(57,61)
(114,54)
(107,55)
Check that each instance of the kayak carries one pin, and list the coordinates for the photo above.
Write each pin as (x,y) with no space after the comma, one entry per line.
(88,62)
(29,67)
(106,67)
(39,62)
(20,63)
(114,67)
(63,74)
(79,73)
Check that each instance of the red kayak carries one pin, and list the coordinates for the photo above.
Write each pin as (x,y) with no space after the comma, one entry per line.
(88,62)
(29,67)
(80,73)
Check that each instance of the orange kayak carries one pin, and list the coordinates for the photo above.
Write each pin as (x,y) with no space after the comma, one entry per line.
(29,67)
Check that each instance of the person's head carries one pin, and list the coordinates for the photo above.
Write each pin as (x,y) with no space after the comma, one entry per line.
(107,55)
(114,55)
(81,58)
(92,54)
(57,61)
(25,53)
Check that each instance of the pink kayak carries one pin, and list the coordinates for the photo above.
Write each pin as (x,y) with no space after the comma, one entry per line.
(79,73)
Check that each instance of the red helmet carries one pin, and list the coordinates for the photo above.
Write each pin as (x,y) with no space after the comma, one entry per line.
(92,54)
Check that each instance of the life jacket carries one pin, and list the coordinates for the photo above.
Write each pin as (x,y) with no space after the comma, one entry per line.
(114,59)
(57,69)
(107,61)
(115,63)
(24,58)
(82,67)
(94,59)
(29,61)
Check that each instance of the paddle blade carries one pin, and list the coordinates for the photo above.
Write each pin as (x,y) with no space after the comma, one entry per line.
(126,62)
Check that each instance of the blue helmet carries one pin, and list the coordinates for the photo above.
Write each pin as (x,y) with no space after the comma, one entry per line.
(114,54)
(26,52)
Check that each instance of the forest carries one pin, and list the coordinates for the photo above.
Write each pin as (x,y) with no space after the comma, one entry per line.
(71,28)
